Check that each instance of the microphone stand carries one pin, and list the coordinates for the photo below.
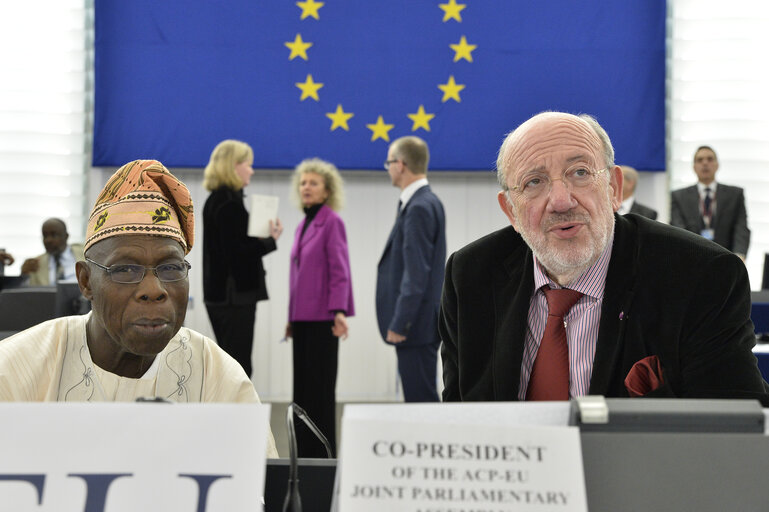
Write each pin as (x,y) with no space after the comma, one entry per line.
(293,501)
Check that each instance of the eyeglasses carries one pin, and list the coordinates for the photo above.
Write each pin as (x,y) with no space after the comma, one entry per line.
(536,184)
(388,162)
(132,274)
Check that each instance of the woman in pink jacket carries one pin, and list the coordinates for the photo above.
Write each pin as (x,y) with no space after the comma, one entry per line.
(320,299)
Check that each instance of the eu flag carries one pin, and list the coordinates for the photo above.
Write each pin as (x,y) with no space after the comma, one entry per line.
(340,79)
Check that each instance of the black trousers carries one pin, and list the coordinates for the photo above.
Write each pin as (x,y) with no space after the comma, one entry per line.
(234,330)
(316,352)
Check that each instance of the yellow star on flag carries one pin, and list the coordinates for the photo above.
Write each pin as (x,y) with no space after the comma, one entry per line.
(462,50)
(309,88)
(299,48)
(379,130)
(421,119)
(451,90)
(339,118)
(452,10)
(310,8)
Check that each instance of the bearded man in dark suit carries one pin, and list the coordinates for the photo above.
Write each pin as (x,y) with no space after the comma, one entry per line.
(713,210)
(658,312)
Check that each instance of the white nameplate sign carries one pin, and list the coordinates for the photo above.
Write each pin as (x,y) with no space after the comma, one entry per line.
(115,457)
(440,457)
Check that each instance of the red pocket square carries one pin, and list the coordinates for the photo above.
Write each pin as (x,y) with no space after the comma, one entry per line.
(644,377)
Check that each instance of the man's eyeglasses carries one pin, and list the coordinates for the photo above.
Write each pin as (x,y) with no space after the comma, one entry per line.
(388,162)
(536,184)
(132,274)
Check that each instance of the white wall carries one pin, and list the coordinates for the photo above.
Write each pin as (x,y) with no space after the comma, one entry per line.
(652,191)
(367,367)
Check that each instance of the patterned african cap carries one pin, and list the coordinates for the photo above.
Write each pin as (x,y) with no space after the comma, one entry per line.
(143,198)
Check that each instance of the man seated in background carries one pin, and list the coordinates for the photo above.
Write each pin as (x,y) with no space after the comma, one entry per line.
(132,344)
(629,204)
(575,300)
(5,258)
(58,261)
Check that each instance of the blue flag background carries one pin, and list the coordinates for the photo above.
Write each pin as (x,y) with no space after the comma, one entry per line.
(174,77)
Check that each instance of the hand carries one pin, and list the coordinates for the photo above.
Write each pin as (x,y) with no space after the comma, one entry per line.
(276,229)
(30,265)
(289,331)
(5,258)
(339,329)
(394,337)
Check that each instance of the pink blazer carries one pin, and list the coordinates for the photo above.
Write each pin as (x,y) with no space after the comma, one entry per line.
(320,281)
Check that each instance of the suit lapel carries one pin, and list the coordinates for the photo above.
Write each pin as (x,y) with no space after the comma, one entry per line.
(723,205)
(313,229)
(617,301)
(391,237)
(44,271)
(513,286)
(399,219)
(693,206)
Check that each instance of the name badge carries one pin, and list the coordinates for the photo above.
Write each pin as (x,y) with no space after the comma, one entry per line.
(707,233)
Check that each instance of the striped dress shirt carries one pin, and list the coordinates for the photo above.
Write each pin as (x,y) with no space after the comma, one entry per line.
(582,322)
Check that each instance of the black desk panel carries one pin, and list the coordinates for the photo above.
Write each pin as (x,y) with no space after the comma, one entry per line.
(316,484)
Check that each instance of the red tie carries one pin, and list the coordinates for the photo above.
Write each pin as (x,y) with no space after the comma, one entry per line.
(550,372)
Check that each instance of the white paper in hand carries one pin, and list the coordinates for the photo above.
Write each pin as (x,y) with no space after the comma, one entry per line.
(263,210)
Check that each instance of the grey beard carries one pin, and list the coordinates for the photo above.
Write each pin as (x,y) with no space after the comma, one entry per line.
(572,264)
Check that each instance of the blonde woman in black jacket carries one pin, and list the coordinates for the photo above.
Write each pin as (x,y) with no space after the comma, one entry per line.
(233,275)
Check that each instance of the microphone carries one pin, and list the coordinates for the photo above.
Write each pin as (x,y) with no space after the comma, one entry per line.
(153,399)
(293,501)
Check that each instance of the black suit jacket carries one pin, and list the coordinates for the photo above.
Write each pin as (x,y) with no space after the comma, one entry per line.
(229,254)
(643,210)
(730,222)
(668,293)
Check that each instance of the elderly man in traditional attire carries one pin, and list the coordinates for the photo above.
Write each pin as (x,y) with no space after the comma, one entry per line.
(132,344)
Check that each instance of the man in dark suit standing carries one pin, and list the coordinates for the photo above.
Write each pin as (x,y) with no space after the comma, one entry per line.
(629,204)
(713,210)
(574,299)
(410,272)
